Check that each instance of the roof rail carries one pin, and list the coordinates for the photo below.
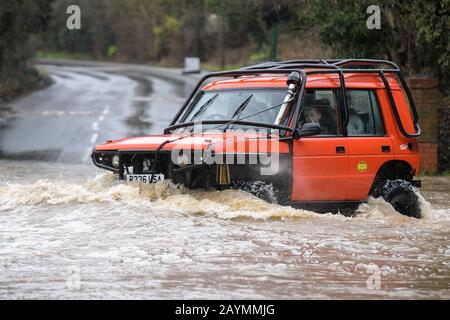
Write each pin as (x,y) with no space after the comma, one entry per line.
(333,64)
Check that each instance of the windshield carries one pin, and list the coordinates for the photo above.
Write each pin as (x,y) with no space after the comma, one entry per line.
(235,104)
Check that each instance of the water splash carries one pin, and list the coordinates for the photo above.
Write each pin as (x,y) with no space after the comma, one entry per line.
(102,188)
(378,209)
(231,204)
(226,204)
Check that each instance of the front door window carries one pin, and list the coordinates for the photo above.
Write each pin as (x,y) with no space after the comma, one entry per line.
(320,107)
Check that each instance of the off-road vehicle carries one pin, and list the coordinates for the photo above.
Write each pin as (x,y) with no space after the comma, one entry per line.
(317,134)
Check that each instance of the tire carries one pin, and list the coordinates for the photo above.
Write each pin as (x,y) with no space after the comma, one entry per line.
(260,189)
(401,195)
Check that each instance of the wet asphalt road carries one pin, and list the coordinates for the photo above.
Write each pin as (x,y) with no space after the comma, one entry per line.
(87,105)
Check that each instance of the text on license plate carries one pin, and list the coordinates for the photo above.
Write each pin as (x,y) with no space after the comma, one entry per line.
(145,178)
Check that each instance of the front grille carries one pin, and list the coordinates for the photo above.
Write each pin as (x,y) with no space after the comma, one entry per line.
(142,162)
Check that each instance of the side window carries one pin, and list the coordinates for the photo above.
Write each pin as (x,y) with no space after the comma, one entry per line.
(320,106)
(365,118)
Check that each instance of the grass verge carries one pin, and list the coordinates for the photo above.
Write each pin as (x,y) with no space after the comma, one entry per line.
(16,82)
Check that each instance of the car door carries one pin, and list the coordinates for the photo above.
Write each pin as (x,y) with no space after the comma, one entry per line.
(368,144)
(320,163)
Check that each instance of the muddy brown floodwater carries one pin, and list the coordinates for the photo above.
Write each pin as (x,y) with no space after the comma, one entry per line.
(69,231)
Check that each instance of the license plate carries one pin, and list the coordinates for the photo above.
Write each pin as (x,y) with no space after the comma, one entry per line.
(145,178)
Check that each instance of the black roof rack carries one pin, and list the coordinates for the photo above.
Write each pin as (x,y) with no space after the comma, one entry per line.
(332,64)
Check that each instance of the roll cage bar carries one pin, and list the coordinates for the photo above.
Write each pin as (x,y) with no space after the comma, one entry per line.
(320,66)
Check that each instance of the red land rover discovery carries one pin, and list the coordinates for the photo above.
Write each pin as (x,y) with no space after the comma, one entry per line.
(317,134)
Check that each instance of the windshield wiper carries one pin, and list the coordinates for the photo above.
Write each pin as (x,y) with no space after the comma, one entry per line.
(234,121)
(239,110)
(204,106)
(242,107)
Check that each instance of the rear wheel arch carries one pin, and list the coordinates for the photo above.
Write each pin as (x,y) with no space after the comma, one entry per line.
(393,183)
(393,170)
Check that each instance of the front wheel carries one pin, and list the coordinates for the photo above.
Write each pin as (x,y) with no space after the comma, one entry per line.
(401,195)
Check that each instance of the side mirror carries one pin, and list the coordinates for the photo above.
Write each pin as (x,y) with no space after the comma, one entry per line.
(308,129)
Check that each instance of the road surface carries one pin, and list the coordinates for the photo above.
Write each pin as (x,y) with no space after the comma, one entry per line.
(86,106)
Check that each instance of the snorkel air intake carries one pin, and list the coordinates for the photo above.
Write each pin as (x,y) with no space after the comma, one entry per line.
(293,83)
(293,79)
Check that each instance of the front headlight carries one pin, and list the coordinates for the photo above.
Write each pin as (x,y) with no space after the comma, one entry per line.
(115,161)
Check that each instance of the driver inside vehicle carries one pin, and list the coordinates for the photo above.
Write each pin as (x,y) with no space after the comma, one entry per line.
(313,115)
(317,113)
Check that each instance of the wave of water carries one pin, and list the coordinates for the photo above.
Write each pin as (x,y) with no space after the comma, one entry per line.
(226,204)
(105,188)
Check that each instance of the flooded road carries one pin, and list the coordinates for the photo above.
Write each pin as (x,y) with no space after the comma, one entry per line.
(68,230)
